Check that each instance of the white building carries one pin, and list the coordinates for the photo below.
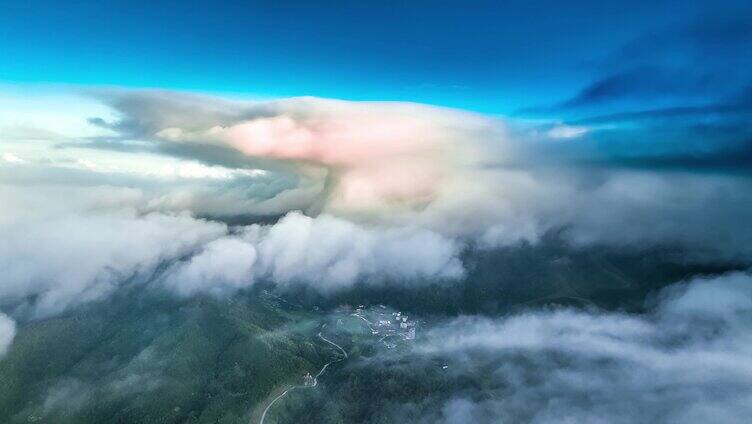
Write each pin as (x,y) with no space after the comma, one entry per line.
(410,334)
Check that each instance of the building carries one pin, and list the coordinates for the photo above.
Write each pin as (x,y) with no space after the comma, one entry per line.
(410,335)
(308,379)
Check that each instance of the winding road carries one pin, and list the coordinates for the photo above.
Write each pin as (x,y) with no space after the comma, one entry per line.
(315,378)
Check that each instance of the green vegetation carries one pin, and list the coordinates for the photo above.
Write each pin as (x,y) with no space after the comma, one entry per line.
(503,280)
(145,356)
(151,359)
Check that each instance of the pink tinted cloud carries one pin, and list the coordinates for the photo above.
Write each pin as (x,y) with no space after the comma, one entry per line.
(347,139)
(381,154)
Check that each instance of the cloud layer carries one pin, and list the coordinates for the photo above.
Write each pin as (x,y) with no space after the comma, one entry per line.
(66,245)
(65,255)
(366,192)
(200,195)
(377,154)
(7,333)
(458,174)
(687,361)
(325,252)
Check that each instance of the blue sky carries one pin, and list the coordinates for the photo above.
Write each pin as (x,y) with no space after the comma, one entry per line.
(494,57)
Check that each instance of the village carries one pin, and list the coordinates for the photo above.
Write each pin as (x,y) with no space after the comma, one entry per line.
(389,326)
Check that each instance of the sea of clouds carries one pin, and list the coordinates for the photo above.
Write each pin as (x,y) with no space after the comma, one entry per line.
(209,195)
(687,361)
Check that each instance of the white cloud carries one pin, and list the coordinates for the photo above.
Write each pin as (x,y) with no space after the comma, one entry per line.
(454,173)
(65,245)
(11,158)
(393,191)
(72,249)
(67,396)
(223,265)
(380,156)
(325,253)
(685,362)
(7,333)
(567,131)
(331,253)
